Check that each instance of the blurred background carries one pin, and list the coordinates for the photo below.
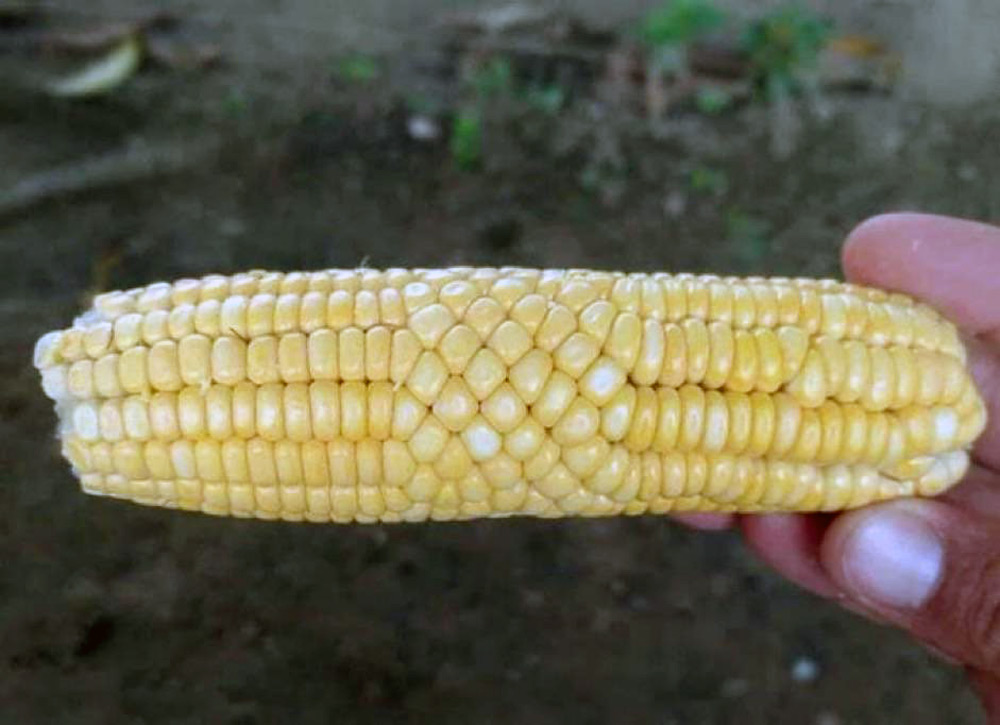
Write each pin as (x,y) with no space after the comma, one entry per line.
(153,140)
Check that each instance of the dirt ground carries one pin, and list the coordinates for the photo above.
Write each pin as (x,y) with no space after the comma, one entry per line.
(111,613)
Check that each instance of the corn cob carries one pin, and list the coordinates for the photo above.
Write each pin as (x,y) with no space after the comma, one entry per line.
(405,395)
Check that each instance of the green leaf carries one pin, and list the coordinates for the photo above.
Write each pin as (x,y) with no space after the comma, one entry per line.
(466,144)
(783,45)
(712,101)
(679,22)
(358,69)
(749,235)
(493,79)
(705,180)
(547,99)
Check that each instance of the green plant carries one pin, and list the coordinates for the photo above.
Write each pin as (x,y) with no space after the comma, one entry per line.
(548,99)
(235,103)
(679,22)
(783,47)
(749,235)
(490,80)
(667,31)
(706,180)
(491,90)
(495,78)
(358,69)
(466,143)
(712,101)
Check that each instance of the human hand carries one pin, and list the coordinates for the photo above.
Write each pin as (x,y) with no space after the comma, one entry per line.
(930,567)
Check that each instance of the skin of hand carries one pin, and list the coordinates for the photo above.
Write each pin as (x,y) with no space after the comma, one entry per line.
(929,567)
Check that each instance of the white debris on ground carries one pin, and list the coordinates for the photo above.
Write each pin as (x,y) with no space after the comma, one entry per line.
(423,128)
(805,670)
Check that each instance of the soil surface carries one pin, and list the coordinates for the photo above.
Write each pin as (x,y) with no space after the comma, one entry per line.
(112,613)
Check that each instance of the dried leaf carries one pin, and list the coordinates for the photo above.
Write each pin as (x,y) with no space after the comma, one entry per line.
(857,61)
(103,75)
(493,21)
(858,46)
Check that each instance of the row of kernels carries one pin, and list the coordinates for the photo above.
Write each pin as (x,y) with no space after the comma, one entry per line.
(713,355)
(822,307)
(689,417)
(377,354)
(717,477)
(549,322)
(324,410)
(266,315)
(338,463)
(346,505)
(879,378)
(665,481)
(363,505)
(162,295)
(333,481)
(290,503)
(775,426)
(833,286)
(239,316)
(452,455)
(367,466)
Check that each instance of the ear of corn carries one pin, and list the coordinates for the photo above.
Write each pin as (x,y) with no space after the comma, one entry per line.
(404,395)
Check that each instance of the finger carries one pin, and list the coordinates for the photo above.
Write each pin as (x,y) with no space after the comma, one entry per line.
(952,265)
(928,567)
(790,543)
(979,491)
(705,521)
(985,367)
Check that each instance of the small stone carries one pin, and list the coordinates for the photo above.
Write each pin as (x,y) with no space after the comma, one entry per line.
(675,204)
(423,128)
(804,670)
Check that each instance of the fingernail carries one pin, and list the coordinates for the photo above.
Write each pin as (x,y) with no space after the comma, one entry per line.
(893,558)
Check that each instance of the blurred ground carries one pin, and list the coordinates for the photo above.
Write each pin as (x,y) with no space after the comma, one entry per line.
(111,613)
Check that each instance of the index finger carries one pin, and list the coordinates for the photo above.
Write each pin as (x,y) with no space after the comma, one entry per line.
(954,266)
(951,264)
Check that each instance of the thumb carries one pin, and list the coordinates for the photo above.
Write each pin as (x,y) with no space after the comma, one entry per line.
(929,567)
